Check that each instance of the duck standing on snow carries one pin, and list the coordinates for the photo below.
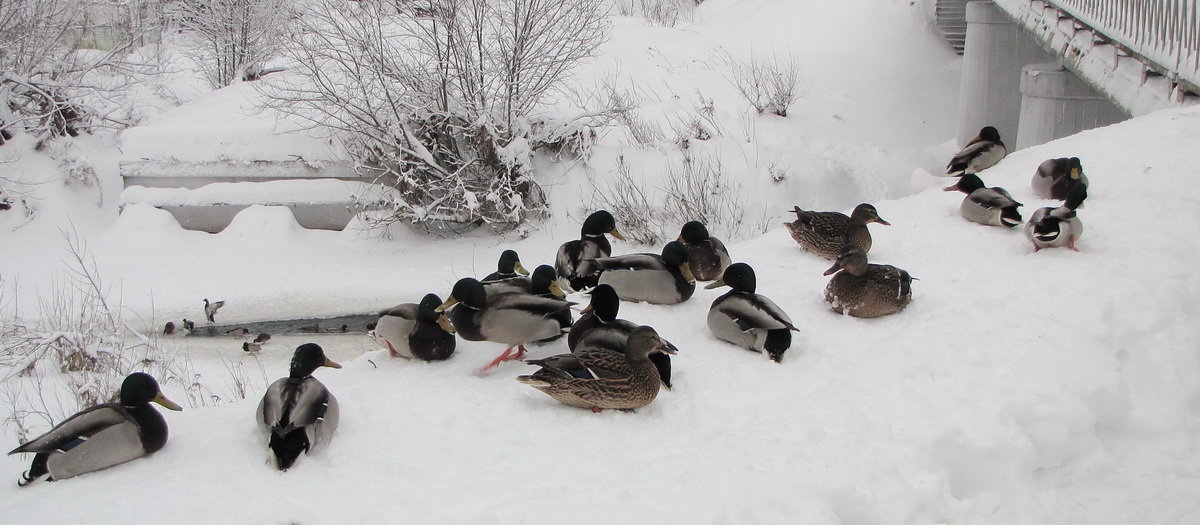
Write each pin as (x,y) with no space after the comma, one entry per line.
(210,309)
(1055,227)
(635,381)
(298,412)
(747,319)
(417,330)
(507,267)
(510,318)
(707,256)
(983,152)
(866,290)
(826,233)
(591,244)
(984,205)
(648,277)
(1055,178)
(598,327)
(101,436)
(543,282)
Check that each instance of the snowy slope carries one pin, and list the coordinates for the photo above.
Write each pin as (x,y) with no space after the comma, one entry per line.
(1018,387)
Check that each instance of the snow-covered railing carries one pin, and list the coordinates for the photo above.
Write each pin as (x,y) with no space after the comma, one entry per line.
(1164,34)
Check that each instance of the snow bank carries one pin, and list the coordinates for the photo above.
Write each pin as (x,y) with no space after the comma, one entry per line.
(270,192)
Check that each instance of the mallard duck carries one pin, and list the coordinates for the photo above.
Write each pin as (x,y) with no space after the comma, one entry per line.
(591,244)
(210,309)
(648,277)
(981,153)
(599,327)
(262,338)
(748,319)
(298,412)
(510,318)
(101,436)
(1055,178)
(984,205)
(507,267)
(707,256)
(251,348)
(169,329)
(631,388)
(416,330)
(825,233)
(1054,227)
(866,290)
(543,282)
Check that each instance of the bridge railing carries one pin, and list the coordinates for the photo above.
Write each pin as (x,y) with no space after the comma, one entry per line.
(1165,33)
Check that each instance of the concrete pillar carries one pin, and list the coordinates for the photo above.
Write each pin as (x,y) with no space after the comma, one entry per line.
(1055,103)
(990,93)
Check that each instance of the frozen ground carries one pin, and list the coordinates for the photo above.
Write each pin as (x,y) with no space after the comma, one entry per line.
(1017,387)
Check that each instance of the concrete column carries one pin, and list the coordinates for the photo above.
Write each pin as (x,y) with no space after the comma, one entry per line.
(990,93)
(1055,103)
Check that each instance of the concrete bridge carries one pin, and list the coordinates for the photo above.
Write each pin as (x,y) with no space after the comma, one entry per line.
(1038,70)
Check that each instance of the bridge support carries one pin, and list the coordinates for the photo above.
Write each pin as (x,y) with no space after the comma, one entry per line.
(1055,103)
(990,94)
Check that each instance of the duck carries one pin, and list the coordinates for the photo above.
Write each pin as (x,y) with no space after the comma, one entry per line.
(298,413)
(251,348)
(591,244)
(514,319)
(1060,226)
(707,255)
(169,329)
(647,277)
(507,267)
(747,319)
(982,152)
(626,388)
(598,326)
(984,205)
(860,289)
(543,282)
(262,338)
(210,309)
(1055,178)
(825,233)
(416,330)
(101,436)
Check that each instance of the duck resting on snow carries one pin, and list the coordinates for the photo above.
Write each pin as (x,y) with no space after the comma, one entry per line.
(707,255)
(101,436)
(866,290)
(298,413)
(984,205)
(826,233)
(1056,227)
(598,327)
(543,282)
(416,330)
(1055,178)
(747,319)
(982,152)
(647,277)
(507,267)
(591,244)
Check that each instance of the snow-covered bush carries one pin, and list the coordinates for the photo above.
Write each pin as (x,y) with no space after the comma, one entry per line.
(435,97)
(771,83)
(235,37)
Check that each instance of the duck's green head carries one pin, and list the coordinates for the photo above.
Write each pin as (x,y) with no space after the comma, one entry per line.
(605,303)
(600,223)
(644,341)
(427,312)
(510,263)
(693,232)
(467,291)
(1075,196)
(739,276)
(864,213)
(307,359)
(990,133)
(853,260)
(140,388)
(545,280)
(967,184)
(675,254)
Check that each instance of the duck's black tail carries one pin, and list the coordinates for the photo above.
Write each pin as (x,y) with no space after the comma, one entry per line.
(288,447)
(777,342)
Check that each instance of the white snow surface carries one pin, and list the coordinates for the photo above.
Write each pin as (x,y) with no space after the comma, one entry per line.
(268,192)
(1018,387)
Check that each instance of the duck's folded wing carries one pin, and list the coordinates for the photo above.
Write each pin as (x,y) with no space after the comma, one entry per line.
(993,198)
(633,261)
(290,404)
(532,304)
(754,312)
(966,153)
(79,427)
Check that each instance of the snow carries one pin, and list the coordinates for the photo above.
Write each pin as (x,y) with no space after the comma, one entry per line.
(1018,387)
(269,192)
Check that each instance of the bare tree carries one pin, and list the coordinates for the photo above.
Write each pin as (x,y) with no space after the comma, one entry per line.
(236,37)
(435,96)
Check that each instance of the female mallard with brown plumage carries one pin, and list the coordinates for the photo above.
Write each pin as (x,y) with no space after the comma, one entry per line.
(825,233)
(866,290)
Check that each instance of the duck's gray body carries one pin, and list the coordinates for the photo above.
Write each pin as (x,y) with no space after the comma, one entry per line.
(983,152)
(570,257)
(99,437)
(299,404)
(642,277)
(405,335)
(1053,228)
(988,206)
(747,319)
(512,319)
(518,284)
(1055,178)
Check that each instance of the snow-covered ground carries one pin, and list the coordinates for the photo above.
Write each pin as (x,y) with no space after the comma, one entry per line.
(1016,388)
